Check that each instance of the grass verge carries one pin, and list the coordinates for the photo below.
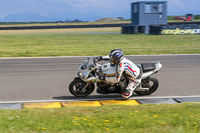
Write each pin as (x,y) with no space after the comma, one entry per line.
(96,44)
(60,24)
(165,118)
(69,30)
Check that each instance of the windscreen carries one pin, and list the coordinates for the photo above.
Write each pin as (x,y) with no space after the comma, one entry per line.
(87,63)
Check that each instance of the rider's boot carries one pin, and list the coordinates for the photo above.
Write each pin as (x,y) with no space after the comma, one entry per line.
(128,92)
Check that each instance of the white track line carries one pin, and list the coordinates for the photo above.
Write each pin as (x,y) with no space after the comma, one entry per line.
(165,97)
(54,57)
(98,99)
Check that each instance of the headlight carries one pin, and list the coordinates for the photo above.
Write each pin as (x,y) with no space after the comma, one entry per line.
(81,75)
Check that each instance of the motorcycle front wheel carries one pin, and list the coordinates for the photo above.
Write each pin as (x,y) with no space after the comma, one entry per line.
(79,88)
(153,86)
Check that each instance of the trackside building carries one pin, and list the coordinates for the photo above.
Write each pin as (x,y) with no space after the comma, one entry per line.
(150,17)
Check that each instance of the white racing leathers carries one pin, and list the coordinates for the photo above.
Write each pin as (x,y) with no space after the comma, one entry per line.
(132,72)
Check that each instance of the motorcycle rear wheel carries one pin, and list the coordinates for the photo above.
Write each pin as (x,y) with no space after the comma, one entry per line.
(153,87)
(79,88)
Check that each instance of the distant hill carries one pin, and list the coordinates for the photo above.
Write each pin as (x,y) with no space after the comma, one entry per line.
(107,19)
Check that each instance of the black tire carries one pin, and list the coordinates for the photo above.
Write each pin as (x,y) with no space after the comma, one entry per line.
(77,85)
(152,88)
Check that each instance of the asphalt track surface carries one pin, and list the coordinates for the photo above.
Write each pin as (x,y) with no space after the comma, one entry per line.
(49,78)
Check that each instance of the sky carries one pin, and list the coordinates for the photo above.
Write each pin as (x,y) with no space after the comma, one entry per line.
(87,10)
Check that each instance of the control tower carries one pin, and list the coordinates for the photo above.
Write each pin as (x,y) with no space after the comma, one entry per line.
(144,14)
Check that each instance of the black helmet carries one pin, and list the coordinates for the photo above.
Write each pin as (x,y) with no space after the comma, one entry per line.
(116,56)
(115,50)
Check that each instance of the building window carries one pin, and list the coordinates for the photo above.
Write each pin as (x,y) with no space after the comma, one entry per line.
(153,8)
(147,8)
(160,7)
(135,8)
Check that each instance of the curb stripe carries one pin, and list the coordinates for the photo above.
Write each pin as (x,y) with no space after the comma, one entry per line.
(11,106)
(43,105)
(81,103)
(120,102)
(60,104)
(100,99)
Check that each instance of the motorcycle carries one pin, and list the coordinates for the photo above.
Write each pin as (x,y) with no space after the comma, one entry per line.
(90,71)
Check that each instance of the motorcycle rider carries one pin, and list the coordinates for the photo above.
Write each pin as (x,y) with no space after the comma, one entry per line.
(123,65)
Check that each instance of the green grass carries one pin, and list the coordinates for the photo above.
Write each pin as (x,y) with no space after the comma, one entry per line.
(80,45)
(55,24)
(163,118)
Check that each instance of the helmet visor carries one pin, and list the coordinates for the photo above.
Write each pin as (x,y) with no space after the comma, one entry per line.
(112,60)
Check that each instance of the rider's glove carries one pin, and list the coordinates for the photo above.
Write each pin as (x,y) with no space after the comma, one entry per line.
(102,77)
(99,58)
